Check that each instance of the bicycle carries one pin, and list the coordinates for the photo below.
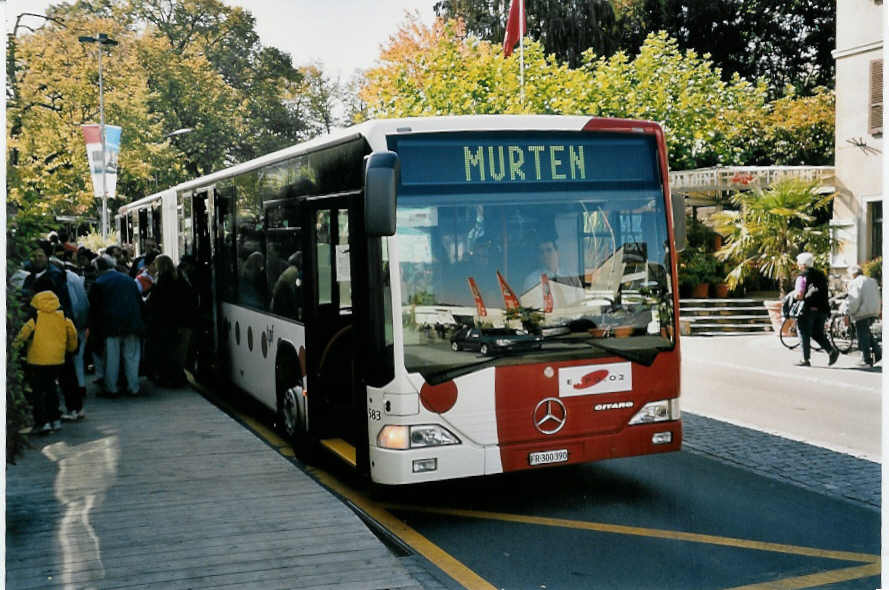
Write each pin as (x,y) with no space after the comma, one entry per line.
(844,337)
(789,335)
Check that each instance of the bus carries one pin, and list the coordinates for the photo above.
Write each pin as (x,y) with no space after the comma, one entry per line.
(443,297)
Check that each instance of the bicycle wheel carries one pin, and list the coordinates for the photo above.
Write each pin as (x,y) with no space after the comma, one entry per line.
(842,333)
(788,335)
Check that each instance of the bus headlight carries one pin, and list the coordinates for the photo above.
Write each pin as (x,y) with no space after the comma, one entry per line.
(659,411)
(393,436)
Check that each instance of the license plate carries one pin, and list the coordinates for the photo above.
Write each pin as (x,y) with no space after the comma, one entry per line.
(545,457)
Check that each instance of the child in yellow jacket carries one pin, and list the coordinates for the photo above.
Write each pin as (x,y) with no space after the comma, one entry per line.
(49,337)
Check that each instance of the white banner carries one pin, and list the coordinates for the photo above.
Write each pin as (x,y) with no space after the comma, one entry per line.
(94,157)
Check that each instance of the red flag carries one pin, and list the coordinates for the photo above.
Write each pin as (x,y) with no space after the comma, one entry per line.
(509,298)
(515,26)
(547,294)
(479,303)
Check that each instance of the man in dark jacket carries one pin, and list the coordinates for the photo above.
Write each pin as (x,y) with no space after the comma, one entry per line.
(116,314)
(46,277)
(811,287)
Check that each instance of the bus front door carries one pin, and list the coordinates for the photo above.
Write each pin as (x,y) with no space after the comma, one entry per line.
(331,332)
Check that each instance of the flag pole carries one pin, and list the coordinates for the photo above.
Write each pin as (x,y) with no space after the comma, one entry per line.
(522,51)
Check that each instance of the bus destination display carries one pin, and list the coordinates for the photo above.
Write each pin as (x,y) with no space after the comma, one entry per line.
(498,160)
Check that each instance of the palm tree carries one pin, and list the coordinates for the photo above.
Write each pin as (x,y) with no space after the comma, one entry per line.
(770,228)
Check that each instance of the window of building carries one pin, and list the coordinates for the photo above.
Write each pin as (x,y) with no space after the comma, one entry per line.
(875,118)
(875,213)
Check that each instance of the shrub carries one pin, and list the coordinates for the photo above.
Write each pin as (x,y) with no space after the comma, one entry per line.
(874,269)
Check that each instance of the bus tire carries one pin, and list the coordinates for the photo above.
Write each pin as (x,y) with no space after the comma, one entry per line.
(291,409)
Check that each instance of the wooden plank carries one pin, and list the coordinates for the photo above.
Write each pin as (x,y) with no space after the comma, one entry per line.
(166,491)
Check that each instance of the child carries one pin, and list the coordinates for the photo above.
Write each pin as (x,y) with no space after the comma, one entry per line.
(51,335)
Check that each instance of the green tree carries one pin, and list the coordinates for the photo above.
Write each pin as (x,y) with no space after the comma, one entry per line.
(258,77)
(441,70)
(770,228)
(55,92)
(785,42)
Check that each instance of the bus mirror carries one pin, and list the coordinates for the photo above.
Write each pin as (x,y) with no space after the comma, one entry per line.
(380,182)
(679,231)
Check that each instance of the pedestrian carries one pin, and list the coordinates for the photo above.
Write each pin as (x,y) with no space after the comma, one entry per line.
(863,307)
(811,288)
(49,336)
(120,262)
(116,313)
(170,311)
(145,278)
(45,277)
(73,378)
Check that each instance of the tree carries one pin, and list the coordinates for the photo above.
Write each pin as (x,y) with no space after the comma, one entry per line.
(55,92)
(564,27)
(441,70)
(785,42)
(259,77)
(770,228)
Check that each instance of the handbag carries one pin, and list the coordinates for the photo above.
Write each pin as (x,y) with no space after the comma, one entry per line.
(797,308)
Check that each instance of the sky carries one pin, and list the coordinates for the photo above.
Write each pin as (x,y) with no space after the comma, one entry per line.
(344,35)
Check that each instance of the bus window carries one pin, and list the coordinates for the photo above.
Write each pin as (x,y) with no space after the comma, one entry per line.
(343,268)
(225,262)
(284,264)
(322,253)
(186,243)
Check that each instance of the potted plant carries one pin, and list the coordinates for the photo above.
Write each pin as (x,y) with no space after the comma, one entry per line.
(769,229)
(697,269)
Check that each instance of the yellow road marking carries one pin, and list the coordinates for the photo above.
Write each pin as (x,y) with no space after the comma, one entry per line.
(819,579)
(443,560)
(644,532)
(341,448)
(469,579)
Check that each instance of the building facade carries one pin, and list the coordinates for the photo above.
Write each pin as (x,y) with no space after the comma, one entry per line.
(858,208)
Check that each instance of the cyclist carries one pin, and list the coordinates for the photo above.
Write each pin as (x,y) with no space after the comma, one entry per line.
(863,300)
(811,287)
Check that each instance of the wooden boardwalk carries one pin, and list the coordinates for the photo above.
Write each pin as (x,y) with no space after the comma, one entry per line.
(167,491)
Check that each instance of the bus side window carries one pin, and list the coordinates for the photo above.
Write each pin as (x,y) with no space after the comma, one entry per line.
(322,254)
(343,266)
(284,264)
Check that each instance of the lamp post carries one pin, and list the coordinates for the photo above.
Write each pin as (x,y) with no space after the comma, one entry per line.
(102,39)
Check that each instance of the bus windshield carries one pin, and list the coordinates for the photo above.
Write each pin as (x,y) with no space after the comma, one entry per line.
(533,276)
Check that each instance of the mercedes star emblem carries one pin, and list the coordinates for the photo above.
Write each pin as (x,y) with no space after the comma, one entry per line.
(549,415)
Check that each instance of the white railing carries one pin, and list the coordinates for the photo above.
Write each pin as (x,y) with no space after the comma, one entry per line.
(735,178)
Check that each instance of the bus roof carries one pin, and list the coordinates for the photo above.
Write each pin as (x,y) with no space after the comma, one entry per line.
(376,132)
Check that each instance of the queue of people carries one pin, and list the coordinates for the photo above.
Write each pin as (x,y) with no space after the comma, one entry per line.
(85,306)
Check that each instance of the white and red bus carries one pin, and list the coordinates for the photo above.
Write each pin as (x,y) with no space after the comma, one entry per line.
(445,297)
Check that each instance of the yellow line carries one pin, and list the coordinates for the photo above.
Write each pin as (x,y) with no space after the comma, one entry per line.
(443,560)
(343,450)
(644,532)
(820,579)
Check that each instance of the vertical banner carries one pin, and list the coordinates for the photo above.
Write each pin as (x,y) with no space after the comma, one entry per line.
(94,157)
(547,294)
(479,304)
(509,298)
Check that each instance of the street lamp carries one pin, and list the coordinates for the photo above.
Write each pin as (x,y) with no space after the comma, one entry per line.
(101,39)
(182,131)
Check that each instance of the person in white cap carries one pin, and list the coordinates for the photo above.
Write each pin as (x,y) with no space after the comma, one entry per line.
(811,287)
(863,306)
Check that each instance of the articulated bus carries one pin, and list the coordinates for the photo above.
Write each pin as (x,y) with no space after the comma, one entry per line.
(434,298)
